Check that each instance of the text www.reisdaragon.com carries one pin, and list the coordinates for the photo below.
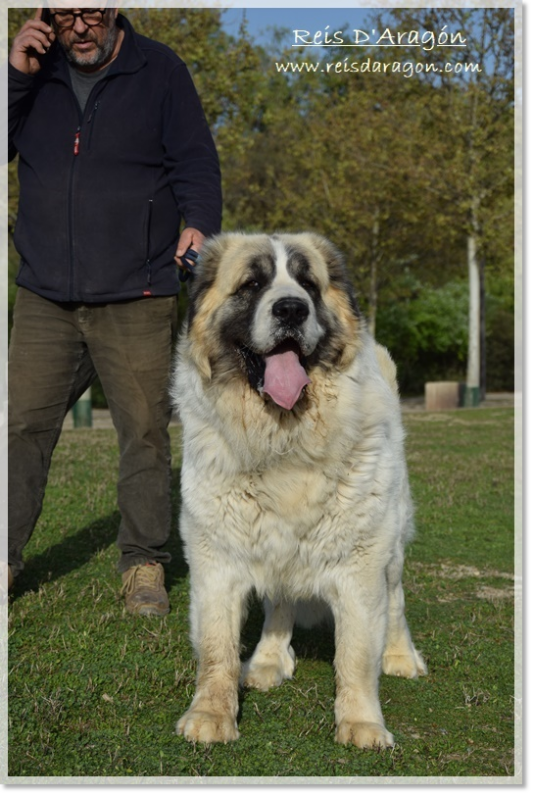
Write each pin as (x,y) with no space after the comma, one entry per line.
(374,66)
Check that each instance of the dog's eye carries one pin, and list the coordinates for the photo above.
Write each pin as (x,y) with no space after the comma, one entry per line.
(308,285)
(252,285)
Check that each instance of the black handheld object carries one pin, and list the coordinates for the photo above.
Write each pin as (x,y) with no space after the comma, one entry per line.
(46,17)
(188,262)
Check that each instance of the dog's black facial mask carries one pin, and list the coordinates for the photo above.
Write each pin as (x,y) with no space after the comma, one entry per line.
(238,318)
(257,279)
(253,365)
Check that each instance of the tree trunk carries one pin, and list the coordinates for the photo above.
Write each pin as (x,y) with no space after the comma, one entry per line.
(474,336)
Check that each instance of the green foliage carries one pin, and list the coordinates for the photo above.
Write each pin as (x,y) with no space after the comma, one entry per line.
(500,337)
(439,321)
(385,166)
(426,330)
(96,692)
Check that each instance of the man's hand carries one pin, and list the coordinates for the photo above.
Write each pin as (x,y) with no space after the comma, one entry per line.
(189,238)
(30,44)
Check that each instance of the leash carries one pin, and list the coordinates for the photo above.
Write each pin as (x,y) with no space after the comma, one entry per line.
(189,260)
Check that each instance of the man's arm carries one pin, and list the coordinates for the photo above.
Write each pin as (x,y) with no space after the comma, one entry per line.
(192,162)
(30,45)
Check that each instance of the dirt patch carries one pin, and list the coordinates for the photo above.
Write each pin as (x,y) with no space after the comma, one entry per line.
(494,594)
(451,571)
(456,572)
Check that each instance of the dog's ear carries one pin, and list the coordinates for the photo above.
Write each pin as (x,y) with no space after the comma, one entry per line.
(211,254)
(203,302)
(347,320)
(205,273)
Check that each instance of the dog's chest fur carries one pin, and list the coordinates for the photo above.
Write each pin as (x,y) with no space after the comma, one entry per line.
(290,501)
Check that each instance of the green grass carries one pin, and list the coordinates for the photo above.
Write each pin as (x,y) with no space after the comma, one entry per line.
(95,692)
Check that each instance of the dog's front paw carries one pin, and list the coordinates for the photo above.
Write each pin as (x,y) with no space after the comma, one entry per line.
(363,735)
(207,727)
(265,671)
(410,666)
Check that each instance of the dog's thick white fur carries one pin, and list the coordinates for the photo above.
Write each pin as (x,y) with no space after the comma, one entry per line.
(309,506)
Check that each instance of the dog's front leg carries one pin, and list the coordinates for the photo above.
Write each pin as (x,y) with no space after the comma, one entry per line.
(217,602)
(360,612)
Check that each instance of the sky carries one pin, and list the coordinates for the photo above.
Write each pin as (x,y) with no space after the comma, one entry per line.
(312,19)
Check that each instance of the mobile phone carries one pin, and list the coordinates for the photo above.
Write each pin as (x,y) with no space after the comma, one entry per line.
(46,17)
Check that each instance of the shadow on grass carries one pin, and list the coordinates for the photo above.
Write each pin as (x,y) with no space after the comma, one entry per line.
(79,549)
(317,643)
(68,555)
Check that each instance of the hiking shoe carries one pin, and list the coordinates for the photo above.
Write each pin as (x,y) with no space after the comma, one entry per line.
(144,589)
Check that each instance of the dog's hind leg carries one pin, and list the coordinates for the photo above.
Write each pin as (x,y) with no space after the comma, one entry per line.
(400,657)
(273,659)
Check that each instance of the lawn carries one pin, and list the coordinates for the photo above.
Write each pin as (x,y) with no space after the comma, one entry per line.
(94,692)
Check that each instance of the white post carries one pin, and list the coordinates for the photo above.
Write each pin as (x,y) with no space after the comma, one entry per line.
(473,369)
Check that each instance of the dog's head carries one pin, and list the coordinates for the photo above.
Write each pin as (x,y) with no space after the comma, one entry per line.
(271,309)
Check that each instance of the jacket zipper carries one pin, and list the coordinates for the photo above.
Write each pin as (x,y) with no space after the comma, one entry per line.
(91,118)
(76,151)
(77,136)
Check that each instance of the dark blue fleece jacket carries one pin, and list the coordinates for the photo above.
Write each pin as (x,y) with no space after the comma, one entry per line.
(99,219)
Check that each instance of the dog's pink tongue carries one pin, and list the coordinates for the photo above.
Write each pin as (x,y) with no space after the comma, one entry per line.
(284,378)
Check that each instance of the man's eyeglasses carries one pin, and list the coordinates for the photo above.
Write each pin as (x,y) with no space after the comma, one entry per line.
(90,16)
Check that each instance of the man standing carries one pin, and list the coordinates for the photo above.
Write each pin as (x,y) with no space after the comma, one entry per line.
(114,151)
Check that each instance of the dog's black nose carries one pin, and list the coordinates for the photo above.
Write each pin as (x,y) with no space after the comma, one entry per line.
(292,311)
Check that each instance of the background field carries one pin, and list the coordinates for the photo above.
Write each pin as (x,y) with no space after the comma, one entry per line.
(95,692)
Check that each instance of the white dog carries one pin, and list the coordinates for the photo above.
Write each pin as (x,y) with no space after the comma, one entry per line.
(294,482)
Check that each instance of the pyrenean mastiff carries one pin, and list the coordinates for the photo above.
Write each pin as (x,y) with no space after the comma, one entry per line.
(294,481)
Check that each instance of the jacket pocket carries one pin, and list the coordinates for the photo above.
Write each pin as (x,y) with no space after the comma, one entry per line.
(147,261)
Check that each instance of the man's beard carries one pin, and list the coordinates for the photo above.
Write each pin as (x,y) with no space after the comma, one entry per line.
(97,57)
